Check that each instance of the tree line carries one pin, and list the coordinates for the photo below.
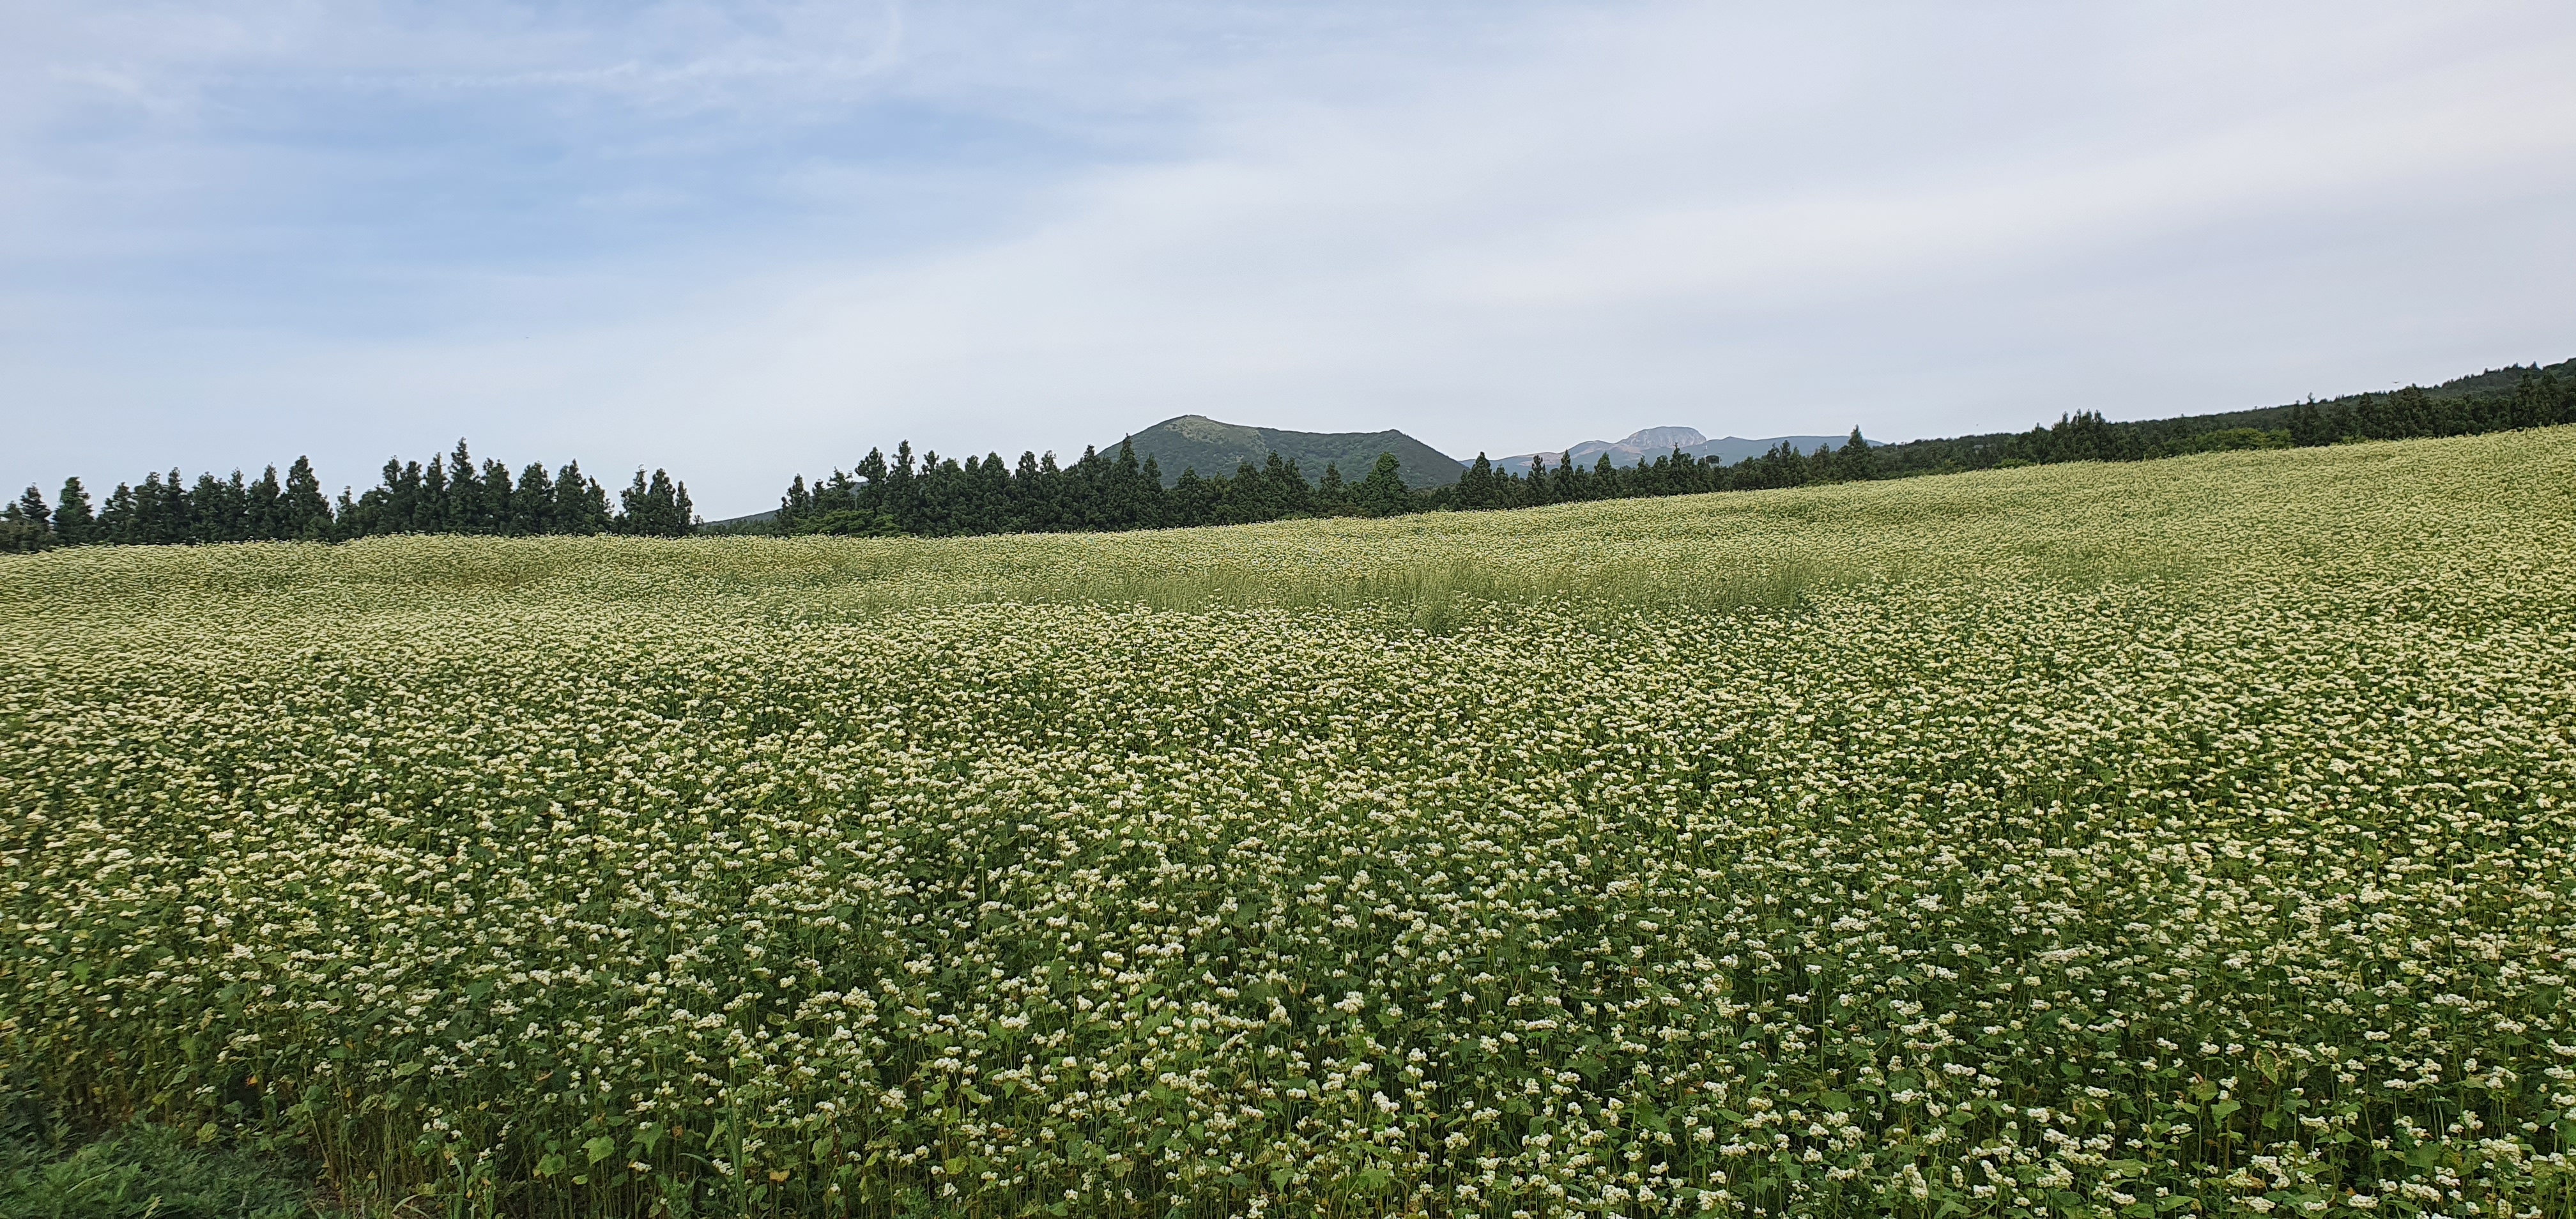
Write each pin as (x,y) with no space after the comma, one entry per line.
(2499,401)
(451,494)
(935,496)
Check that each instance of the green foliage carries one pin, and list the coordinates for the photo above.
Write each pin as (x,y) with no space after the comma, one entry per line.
(2495,401)
(1102,493)
(1136,488)
(654,507)
(2228,440)
(1200,443)
(449,495)
(1382,492)
(147,1172)
(2173,838)
(848,523)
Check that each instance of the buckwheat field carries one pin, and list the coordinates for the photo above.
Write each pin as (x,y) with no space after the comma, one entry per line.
(2184,837)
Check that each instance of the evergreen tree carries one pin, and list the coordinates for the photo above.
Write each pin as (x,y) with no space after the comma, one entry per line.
(429,510)
(1049,497)
(260,512)
(794,506)
(532,502)
(498,493)
(1193,499)
(1332,494)
(898,498)
(303,514)
(1855,461)
(116,518)
(581,504)
(32,509)
(165,509)
(1476,487)
(1382,493)
(1567,481)
(461,509)
(217,511)
(25,524)
(1119,501)
(657,507)
(73,523)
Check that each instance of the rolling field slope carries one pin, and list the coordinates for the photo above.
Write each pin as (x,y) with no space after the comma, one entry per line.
(2184,836)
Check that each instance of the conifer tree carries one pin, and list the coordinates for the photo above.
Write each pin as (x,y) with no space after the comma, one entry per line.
(532,502)
(31,508)
(1382,493)
(797,504)
(1855,461)
(655,507)
(581,504)
(1476,486)
(429,511)
(260,507)
(303,514)
(493,514)
(166,504)
(25,524)
(218,511)
(1331,493)
(116,517)
(73,523)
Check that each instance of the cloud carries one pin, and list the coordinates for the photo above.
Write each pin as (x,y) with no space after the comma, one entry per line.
(781,242)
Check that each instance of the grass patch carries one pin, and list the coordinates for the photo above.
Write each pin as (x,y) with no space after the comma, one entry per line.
(148,1172)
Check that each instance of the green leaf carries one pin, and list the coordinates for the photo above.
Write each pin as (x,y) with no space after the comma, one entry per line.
(600,1148)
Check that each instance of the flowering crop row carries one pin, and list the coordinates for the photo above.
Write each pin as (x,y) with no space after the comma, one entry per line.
(2087,840)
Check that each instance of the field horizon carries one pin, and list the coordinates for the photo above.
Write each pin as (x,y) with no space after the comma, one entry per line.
(2083,839)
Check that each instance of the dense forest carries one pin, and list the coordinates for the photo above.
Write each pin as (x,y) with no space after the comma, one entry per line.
(943,496)
(936,496)
(452,494)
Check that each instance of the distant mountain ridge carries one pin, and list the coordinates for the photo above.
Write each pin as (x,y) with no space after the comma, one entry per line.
(1212,448)
(1650,443)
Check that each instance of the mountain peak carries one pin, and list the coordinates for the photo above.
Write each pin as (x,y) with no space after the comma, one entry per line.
(1213,447)
(1650,443)
(1663,438)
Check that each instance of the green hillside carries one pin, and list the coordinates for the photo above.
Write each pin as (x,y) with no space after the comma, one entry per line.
(1200,443)
(1349,863)
(2353,415)
(2089,830)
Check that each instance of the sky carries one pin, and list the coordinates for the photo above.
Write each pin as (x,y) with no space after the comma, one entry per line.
(746,240)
